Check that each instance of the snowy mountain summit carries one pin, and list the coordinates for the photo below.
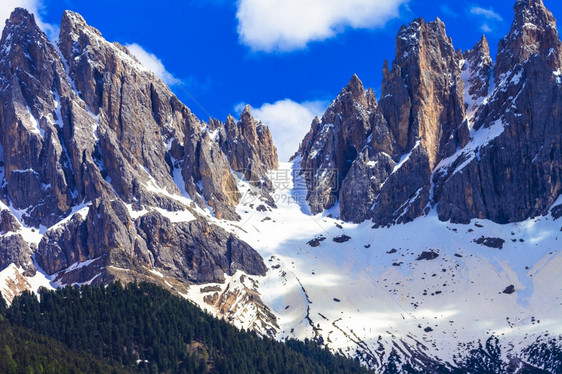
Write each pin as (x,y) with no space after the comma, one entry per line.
(419,232)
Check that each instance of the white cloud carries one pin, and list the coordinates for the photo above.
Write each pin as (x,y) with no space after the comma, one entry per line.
(33,6)
(485,28)
(486,13)
(152,63)
(7,6)
(488,18)
(285,25)
(288,121)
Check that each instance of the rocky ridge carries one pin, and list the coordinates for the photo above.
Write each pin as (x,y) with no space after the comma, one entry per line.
(106,175)
(453,131)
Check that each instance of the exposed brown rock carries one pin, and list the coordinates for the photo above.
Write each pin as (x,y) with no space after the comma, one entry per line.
(517,172)
(196,251)
(478,67)
(8,223)
(86,126)
(239,298)
(444,139)
(206,172)
(36,166)
(533,32)
(15,250)
(333,143)
(249,147)
(14,284)
(422,96)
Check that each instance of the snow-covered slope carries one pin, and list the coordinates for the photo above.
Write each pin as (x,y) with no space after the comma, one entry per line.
(426,288)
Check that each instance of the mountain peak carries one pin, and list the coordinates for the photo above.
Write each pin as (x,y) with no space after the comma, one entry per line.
(479,53)
(483,44)
(247,111)
(73,17)
(534,12)
(355,86)
(533,32)
(73,23)
(21,15)
(529,4)
(478,70)
(21,21)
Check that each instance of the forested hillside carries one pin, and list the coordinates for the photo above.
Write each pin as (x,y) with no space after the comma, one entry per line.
(145,328)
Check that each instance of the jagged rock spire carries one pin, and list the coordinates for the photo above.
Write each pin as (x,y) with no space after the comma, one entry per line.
(533,31)
(421,95)
(248,145)
(439,136)
(85,124)
(479,68)
(334,142)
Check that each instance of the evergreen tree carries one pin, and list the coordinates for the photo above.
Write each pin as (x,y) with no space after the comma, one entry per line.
(144,323)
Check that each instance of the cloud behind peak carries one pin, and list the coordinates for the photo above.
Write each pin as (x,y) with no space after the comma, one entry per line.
(286,25)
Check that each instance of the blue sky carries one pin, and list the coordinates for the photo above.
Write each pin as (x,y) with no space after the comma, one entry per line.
(286,58)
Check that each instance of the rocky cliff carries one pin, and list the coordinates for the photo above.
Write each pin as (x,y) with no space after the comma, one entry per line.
(452,131)
(106,174)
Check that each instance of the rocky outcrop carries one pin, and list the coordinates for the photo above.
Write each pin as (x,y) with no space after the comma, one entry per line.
(333,143)
(37,169)
(533,32)
(238,297)
(512,168)
(136,116)
(422,101)
(15,250)
(64,245)
(96,153)
(8,223)
(383,154)
(422,96)
(196,251)
(13,283)
(214,150)
(447,136)
(249,147)
(106,236)
(207,175)
(477,74)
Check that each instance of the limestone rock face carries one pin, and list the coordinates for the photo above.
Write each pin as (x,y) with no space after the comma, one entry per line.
(533,32)
(363,183)
(197,251)
(15,250)
(36,166)
(96,155)
(514,169)
(451,130)
(8,223)
(249,147)
(207,174)
(333,143)
(135,114)
(422,96)
(477,69)
(383,154)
